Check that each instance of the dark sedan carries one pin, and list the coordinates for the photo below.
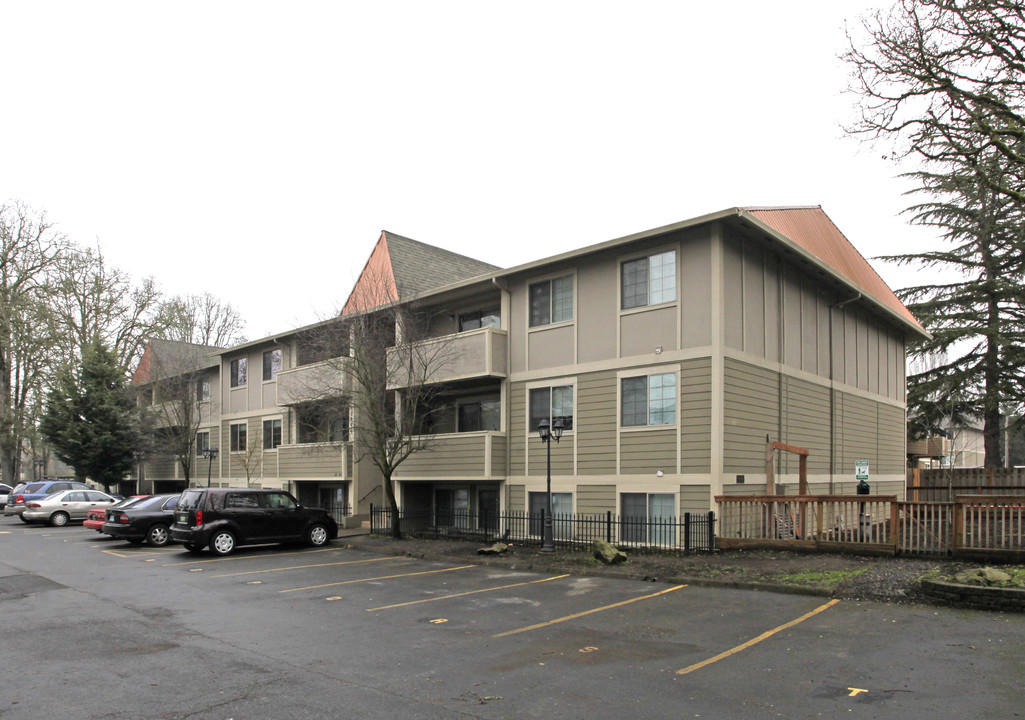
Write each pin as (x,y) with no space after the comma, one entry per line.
(148,520)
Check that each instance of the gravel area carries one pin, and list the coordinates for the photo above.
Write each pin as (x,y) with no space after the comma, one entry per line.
(852,577)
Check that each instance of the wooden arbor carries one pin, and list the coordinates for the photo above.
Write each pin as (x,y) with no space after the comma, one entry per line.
(770,456)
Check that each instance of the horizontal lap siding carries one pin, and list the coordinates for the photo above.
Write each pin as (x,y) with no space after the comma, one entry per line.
(596,423)
(892,434)
(696,415)
(517,423)
(695,499)
(447,457)
(595,499)
(517,500)
(750,412)
(161,467)
(562,457)
(806,424)
(499,444)
(857,431)
(312,462)
(647,451)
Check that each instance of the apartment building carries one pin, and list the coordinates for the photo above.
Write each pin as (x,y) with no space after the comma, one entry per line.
(669,357)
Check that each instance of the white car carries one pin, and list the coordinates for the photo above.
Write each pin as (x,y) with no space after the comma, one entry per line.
(4,492)
(59,508)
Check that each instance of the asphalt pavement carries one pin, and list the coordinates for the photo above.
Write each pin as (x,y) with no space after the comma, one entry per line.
(95,628)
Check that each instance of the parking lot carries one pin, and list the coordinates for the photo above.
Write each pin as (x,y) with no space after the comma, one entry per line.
(96,628)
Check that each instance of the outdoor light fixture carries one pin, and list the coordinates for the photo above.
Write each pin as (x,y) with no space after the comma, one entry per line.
(547,433)
(209,453)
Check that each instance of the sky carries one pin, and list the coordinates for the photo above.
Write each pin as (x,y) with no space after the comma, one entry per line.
(256,150)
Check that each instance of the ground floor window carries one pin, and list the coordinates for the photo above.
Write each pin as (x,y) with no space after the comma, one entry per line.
(562,511)
(452,507)
(648,518)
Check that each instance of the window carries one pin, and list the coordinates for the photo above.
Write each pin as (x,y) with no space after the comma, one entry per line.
(238,372)
(562,513)
(203,390)
(649,400)
(649,280)
(648,517)
(552,404)
(271,434)
(480,319)
(238,437)
(483,415)
(551,301)
(271,364)
(202,442)
(280,501)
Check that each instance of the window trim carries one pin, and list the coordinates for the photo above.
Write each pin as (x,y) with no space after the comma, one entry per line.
(233,437)
(551,383)
(642,256)
(233,372)
(273,372)
(281,434)
(199,450)
(572,275)
(647,372)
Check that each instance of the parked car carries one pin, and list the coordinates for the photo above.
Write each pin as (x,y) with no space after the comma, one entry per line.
(95,518)
(148,520)
(224,518)
(5,490)
(17,500)
(62,507)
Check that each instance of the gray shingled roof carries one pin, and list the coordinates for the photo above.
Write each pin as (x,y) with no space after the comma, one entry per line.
(419,267)
(172,354)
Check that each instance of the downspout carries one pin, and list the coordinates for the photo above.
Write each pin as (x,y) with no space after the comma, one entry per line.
(832,392)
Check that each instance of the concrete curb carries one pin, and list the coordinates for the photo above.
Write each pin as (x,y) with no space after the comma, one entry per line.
(975,596)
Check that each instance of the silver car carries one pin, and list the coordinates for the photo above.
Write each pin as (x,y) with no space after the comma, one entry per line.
(4,492)
(59,508)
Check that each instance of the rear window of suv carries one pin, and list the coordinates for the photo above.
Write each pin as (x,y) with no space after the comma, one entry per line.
(33,488)
(191,500)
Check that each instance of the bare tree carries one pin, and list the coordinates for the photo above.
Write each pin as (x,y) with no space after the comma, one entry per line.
(29,249)
(251,459)
(202,320)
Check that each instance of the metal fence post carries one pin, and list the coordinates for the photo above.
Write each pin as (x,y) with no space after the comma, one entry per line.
(711,530)
(608,526)
(686,533)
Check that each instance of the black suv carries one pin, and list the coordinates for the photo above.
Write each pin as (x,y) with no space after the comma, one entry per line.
(224,518)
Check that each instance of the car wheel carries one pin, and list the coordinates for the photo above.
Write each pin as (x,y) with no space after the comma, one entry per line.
(59,519)
(317,535)
(158,536)
(194,549)
(222,543)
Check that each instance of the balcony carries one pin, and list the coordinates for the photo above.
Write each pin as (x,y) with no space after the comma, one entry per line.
(930,447)
(315,461)
(458,455)
(463,356)
(326,379)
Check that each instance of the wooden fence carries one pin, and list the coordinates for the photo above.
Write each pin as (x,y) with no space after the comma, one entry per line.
(972,526)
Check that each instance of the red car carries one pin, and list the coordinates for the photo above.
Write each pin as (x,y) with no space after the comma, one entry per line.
(97,516)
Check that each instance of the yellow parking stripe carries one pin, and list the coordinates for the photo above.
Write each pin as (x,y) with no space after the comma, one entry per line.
(383,577)
(299,567)
(587,612)
(471,592)
(764,636)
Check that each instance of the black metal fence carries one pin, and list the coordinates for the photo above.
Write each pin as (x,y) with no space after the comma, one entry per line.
(694,532)
(338,511)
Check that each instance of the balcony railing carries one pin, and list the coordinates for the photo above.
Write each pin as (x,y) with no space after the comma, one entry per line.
(463,356)
(319,381)
(471,454)
(327,460)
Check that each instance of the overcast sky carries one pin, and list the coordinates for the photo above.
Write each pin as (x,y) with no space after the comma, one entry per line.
(256,150)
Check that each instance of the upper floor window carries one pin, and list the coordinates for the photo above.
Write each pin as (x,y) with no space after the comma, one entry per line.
(490,317)
(238,437)
(271,434)
(203,390)
(202,442)
(482,415)
(238,372)
(649,280)
(551,301)
(554,403)
(271,364)
(649,400)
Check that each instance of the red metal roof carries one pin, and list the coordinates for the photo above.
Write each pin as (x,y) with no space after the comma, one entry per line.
(811,229)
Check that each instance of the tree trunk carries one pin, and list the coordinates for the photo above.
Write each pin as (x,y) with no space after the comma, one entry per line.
(396,526)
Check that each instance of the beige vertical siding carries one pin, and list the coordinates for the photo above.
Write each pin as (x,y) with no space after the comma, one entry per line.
(596,423)
(750,412)
(647,451)
(695,499)
(695,288)
(696,415)
(595,499)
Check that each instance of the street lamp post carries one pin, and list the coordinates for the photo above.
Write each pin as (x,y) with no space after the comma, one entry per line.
(209,453)
(547,433)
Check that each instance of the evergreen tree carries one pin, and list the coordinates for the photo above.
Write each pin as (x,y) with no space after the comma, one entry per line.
(977,319)
(90,419)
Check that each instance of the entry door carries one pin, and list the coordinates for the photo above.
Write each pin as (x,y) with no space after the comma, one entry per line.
(487,508)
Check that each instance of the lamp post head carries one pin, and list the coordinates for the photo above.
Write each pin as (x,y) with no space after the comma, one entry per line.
(557,429)
(210,453)
(543,430)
